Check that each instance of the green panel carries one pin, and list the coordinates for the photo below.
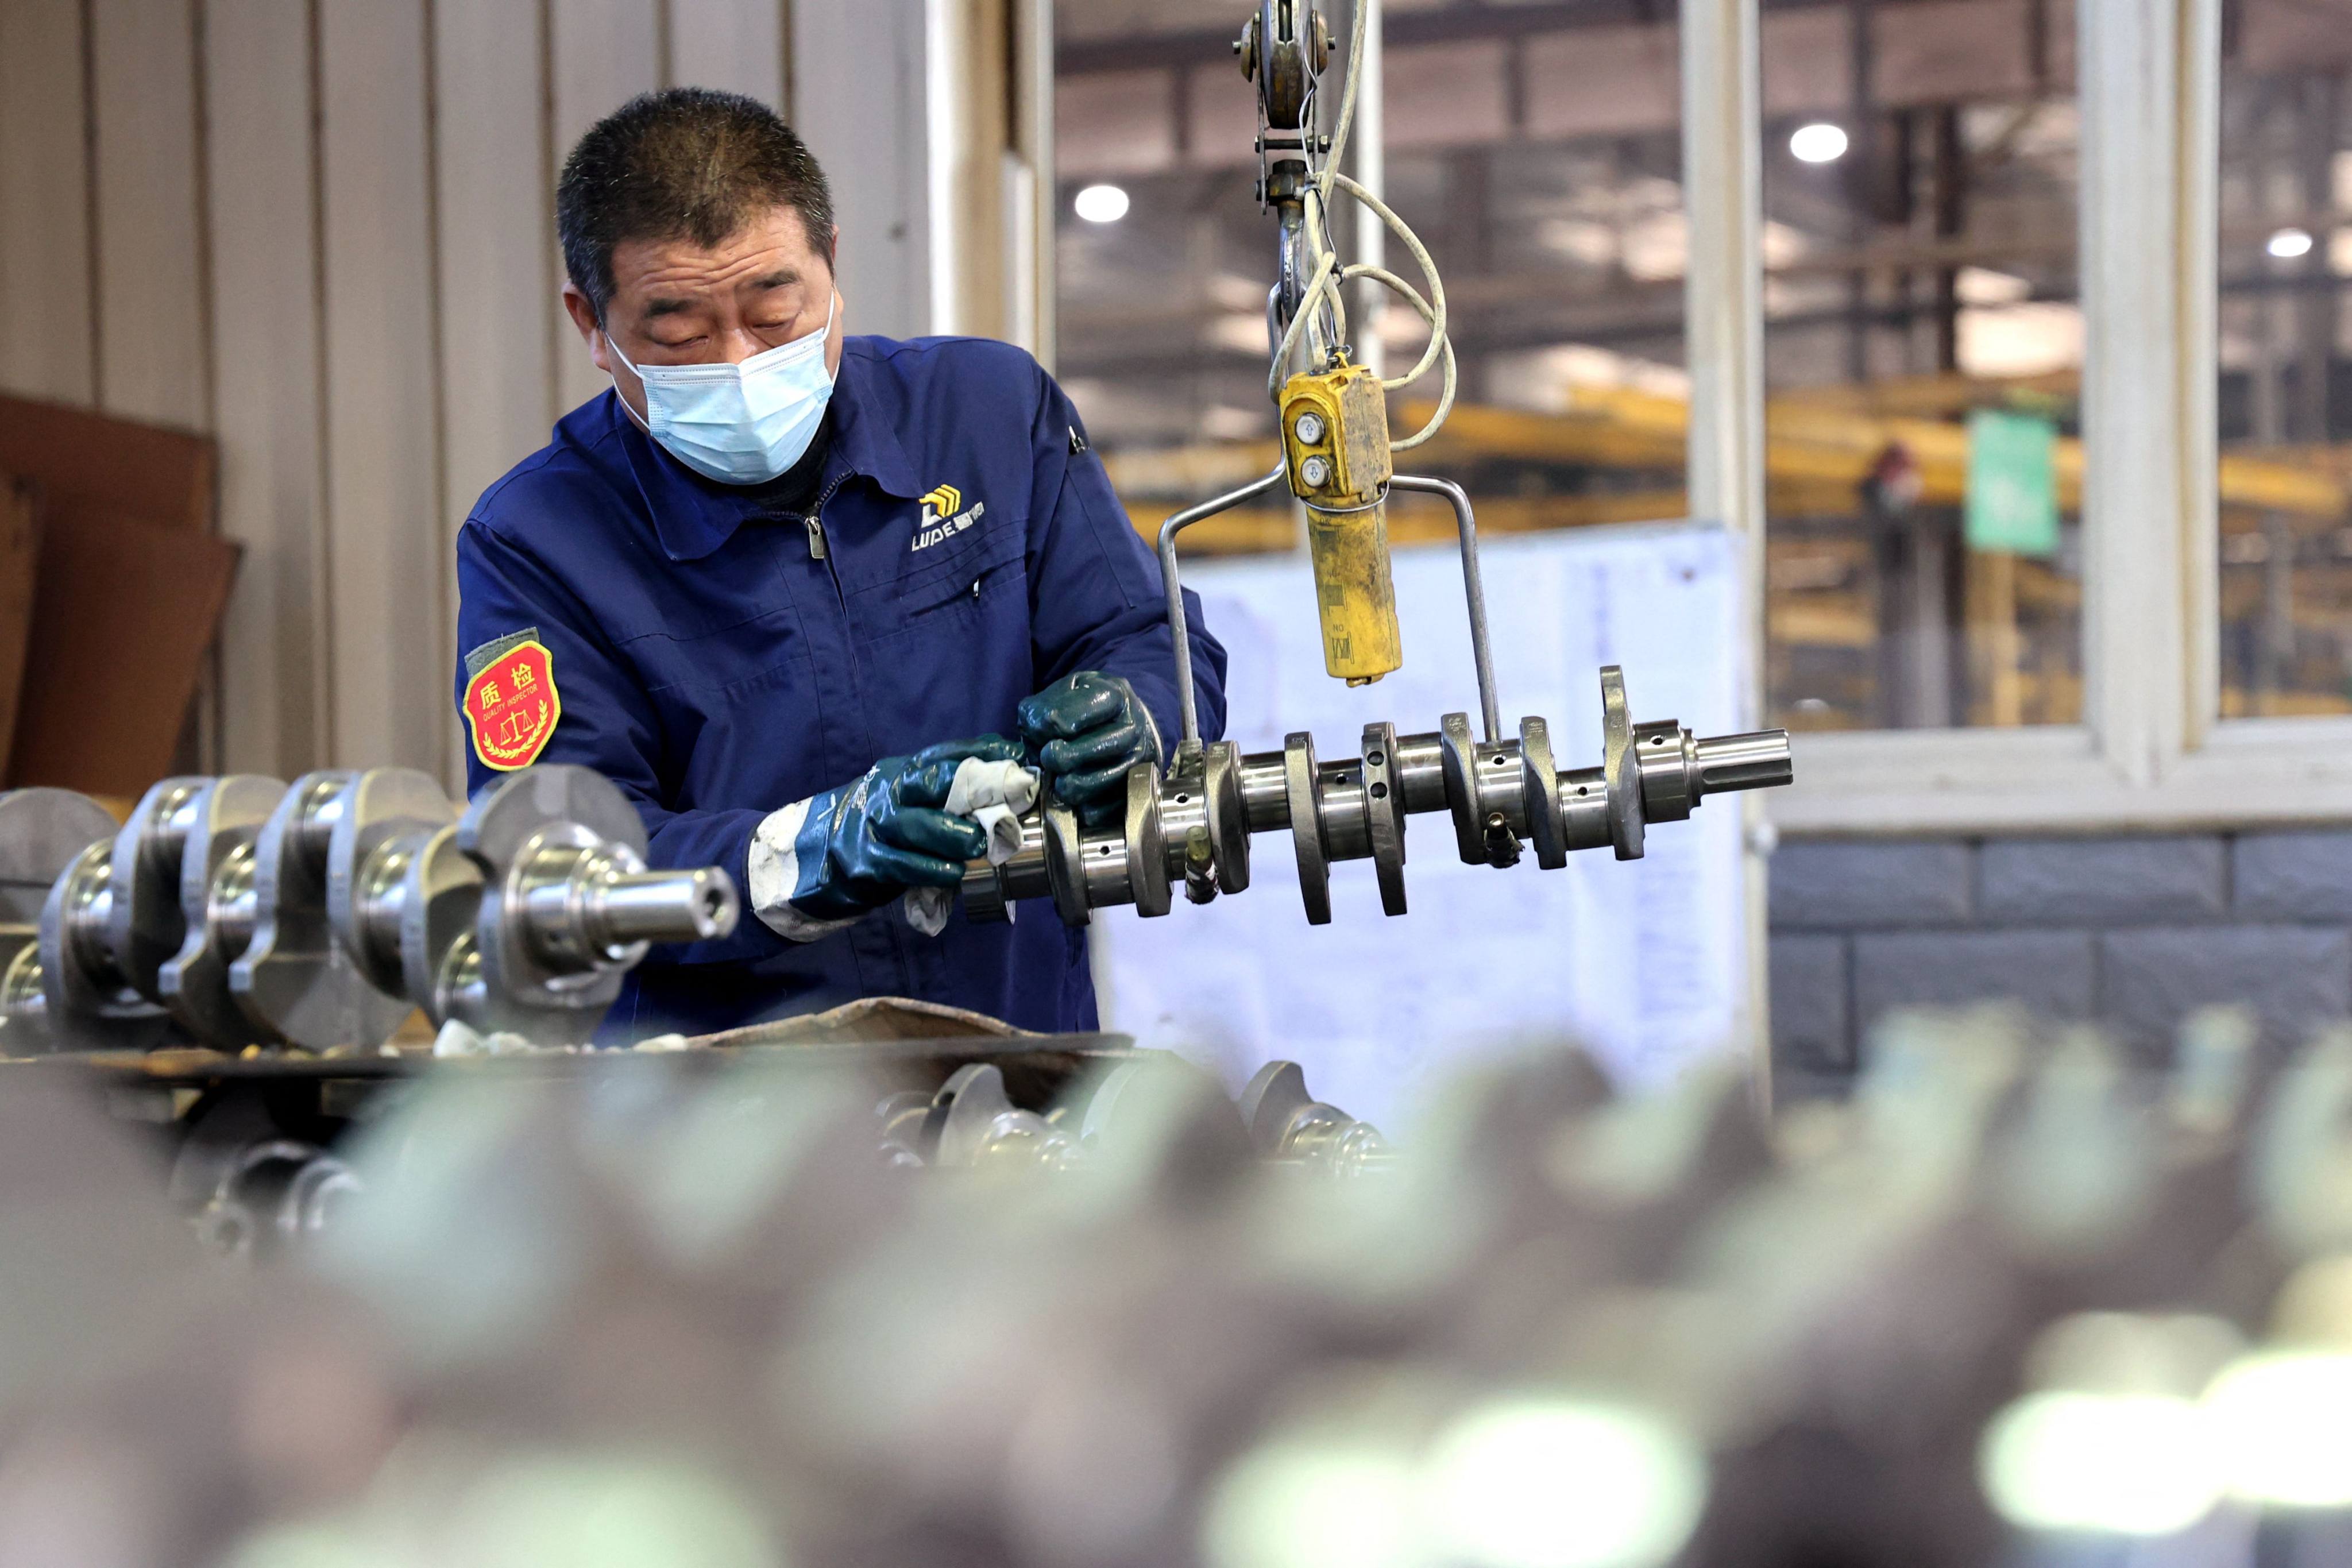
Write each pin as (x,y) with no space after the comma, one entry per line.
(2013,500)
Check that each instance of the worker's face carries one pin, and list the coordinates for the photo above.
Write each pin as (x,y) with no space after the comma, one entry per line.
(677,302)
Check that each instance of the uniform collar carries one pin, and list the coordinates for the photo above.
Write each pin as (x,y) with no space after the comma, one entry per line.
(693,516)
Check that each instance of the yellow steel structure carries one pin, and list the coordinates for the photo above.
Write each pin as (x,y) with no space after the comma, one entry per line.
(1821,445)
(1817,453)
(1807,443)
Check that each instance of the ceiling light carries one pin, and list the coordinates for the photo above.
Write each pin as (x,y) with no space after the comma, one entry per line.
(1102,203)
(1820,142)
(2289,243)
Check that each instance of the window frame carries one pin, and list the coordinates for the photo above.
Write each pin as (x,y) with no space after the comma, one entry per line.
(2153,751)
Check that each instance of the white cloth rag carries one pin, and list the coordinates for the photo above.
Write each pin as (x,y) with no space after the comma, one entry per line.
(993,795)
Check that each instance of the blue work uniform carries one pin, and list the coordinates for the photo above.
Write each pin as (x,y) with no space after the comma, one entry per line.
(964,551)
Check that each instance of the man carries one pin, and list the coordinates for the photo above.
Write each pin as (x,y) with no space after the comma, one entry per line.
(778,582)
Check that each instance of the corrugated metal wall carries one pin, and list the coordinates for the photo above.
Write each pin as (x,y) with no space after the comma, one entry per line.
(321,230)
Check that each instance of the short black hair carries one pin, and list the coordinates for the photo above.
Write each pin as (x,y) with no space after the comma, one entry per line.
(684,163)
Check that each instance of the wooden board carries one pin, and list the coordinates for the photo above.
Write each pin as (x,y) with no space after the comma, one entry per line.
(78,458)
(260,178)
(123,610)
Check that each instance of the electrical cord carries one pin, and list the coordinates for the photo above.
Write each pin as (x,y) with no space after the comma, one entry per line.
(1324,283)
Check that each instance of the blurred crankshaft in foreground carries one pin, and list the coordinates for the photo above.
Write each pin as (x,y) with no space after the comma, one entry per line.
(2017,1302)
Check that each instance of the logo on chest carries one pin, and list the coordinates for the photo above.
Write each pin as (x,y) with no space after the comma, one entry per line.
(945,516)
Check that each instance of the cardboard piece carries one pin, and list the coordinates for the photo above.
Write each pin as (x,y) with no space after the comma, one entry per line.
(123,610)
(20,543)
(80,459)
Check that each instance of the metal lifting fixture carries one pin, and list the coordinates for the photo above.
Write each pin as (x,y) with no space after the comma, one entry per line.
(1192,828)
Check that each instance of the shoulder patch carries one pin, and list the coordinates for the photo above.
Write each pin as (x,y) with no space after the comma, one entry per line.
(497,646)
(511,703)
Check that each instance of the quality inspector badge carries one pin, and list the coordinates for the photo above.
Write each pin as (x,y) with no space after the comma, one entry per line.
(512,705)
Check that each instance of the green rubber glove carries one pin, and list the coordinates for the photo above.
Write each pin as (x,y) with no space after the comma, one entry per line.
(868,841)
(1087,729)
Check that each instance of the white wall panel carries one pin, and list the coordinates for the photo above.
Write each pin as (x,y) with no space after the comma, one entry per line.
(496,264)
(390,623)
(604,52)
(277,674)
(858,79)
(738,45)
(151,254)
(46,332)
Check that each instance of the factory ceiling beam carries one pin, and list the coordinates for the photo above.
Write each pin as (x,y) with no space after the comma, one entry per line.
(1467,22)
(1443,24)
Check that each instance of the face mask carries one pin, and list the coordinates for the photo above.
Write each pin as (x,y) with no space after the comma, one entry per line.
(738,424)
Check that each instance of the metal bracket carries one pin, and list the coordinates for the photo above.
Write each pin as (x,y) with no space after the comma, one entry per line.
(217,871)
(1147,847)
(294,978)
(1460,762)
(1065,877)
(1546,822)
(1620,767)
(144,925)
(1299,779)
(1384,813)
(1472,588)
(387,815)
(1229,835)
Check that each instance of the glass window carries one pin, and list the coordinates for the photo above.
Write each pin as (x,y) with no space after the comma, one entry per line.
(1533,148)
(1923,348)
(1163,257)
(1542,166)
(2286,394)
(1923,351)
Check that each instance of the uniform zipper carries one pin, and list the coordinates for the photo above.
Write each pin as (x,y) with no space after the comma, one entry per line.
(817,518)
(817,549)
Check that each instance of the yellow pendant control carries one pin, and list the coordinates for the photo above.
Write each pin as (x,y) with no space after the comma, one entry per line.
(1335,441)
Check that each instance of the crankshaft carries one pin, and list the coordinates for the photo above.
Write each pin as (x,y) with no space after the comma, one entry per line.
(972,1121)
(238,912)
(1190,828)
